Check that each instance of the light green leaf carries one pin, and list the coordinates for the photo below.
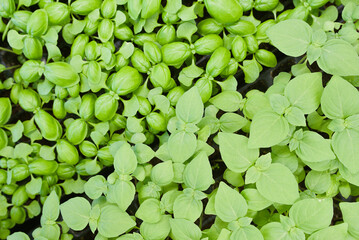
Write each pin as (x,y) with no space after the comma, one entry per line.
(189,107)
(121,193)
(18,236)
(339,58)
(278,184)
(114,222)
(312,214)
(318,182)
(314,148)
(229,204)
(292,36)
(181,146)
(125,161)
(153,231)
(182,229)
(149,211)
(34,186)
(50,210)
(198,173)
(251,70)
(247,232)
(228,101)
(232,122)
(336,232)
(340,99)
(143,153)
(186,30)
(235,152)
(76,213)
(95,186)
(274,231)
(162,173)
(350,213)
(267,129)
(15,40)
(17,131)
(187,207)
(47,152)
(256,202)
(127,49)
(346,147)
(305,91)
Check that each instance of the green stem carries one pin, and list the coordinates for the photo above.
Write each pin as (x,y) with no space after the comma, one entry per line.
(6,50)
(12,67)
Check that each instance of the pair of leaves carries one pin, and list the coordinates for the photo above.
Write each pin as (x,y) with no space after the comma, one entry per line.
(293,37)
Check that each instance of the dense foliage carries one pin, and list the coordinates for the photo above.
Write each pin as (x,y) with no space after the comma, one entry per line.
(128,119)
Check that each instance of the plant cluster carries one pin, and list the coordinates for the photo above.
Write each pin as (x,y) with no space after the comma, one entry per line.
(125,117)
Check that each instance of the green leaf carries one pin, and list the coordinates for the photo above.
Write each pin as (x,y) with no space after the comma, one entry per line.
(95,186)
(162,173)
(173,6)
(314,148)
(121,193)
(189,73)
(247,232)
(295,116)
(278,184)
(17,131)
(131,106)
(50,210)
(232,122)
(18,236)
(198,173)
(181,146)
(267,129)
(331,233)
(256,202)
(76,213)
(15,40)
(34,186)
(22,150)
(228,101)
(339,58)
(149,211)
(292,36)
(305,91)
(186,30)
(187,13)
(114,222)
(251,70)
(47,152)
(159,230)
(229,204)
(350,213)
(125,161)
(274,231)
(187,207)
(235,152)
(346,147)
(318,182)
(127,49)
(340,99)
(312,214)
(182,229)
(189,107)
(143,152)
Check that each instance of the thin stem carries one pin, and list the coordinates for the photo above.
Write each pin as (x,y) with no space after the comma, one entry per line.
(12,67)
